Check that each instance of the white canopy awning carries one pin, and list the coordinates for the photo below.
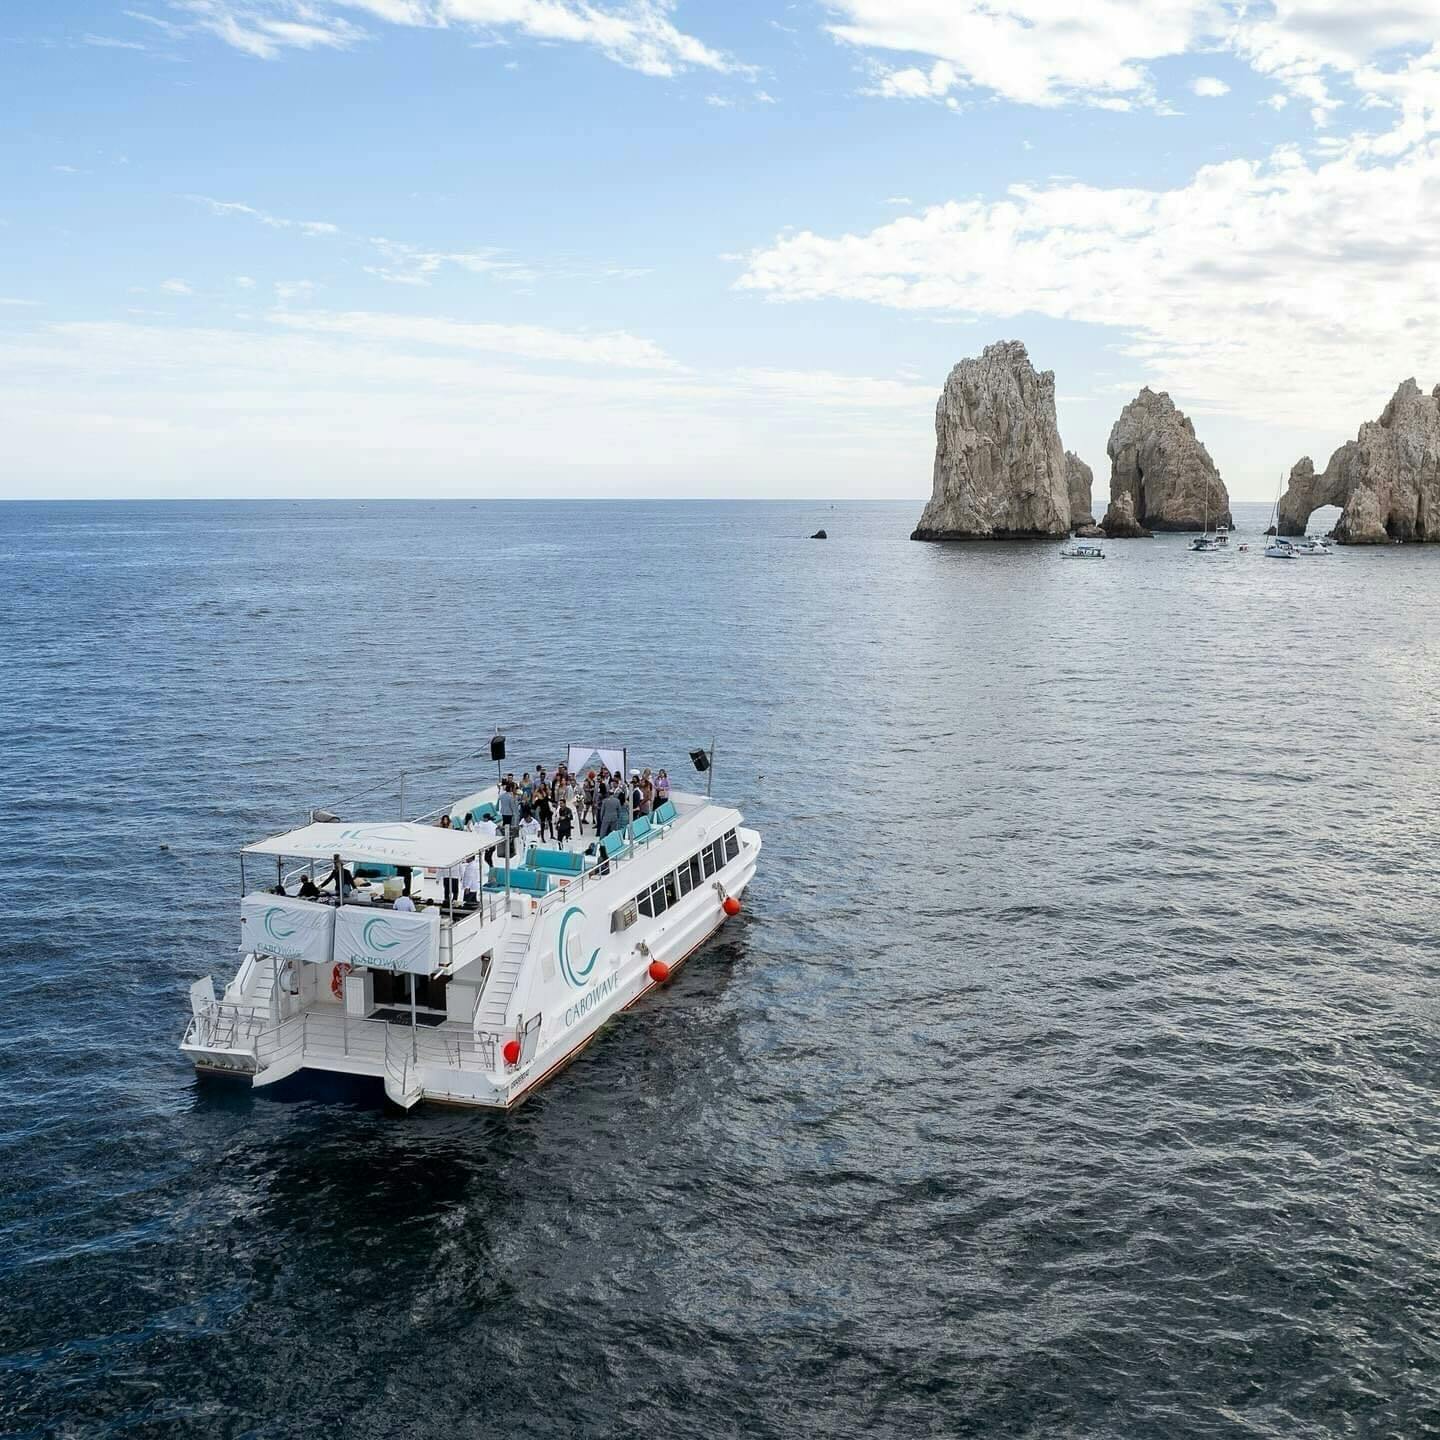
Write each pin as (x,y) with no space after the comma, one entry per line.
(393,842)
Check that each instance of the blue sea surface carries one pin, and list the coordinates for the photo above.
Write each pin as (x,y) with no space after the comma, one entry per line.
(1071,1072)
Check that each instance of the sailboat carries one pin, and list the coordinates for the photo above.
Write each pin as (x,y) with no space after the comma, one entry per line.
(1276,546)
(1207,543)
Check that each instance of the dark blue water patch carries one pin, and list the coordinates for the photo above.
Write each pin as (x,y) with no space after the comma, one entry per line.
(1070,1072)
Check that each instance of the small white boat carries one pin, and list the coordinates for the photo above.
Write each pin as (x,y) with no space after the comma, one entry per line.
(1206,544)
(1082,550)
(473,998)
(1222,535)
(1311,545)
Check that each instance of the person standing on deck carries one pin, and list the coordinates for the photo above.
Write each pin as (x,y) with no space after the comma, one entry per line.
(544,811)
(608,815)
(449,874)
(562,826)
(509,811)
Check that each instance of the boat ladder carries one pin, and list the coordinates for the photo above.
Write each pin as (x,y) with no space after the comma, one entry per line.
(500,984)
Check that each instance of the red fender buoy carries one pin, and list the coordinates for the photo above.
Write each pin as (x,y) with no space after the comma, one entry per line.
(731,906)
(511,1051)
(659,971)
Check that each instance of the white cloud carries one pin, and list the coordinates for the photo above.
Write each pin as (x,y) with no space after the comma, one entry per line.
(245,282)
(532,342)
(406,264)
(363,404)
(1273,289)
(1040,53)
(1209,87)
(904,201)
(720,102)
(108,42)
(274,222)
(287,290)
(638,34)
(12,300)
(266,28)
(177,287)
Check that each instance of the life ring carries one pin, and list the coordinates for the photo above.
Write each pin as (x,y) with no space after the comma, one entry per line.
(338,972)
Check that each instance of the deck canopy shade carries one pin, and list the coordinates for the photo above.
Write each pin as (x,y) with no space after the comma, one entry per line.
(393,842)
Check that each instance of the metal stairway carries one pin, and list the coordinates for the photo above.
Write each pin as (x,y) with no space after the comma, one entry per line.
(501,982)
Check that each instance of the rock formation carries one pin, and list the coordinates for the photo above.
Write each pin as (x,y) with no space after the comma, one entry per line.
(1387,478)
(1079,481)
(999,466)
(1120,522)
(1162,470)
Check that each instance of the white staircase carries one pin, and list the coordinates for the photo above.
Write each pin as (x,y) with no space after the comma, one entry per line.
(501,982)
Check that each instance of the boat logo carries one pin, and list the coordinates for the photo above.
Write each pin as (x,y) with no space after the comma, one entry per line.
(367,935)
(395,834)
(272,928)
(569,948)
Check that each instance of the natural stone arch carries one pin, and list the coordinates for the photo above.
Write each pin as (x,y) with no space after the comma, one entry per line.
(1387,479)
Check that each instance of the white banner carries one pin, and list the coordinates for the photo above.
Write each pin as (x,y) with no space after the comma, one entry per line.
(388,939)
(290,929)
(590,757)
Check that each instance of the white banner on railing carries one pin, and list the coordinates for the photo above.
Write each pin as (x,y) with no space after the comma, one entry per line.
(388,939)
(291,929)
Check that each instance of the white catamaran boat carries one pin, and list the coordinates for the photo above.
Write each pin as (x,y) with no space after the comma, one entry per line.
(473,997)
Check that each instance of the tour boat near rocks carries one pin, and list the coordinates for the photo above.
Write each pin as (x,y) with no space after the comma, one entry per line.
(471,1003)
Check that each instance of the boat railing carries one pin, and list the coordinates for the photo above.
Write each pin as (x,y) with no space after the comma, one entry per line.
(399,1060)
(281,1041)
(224,1024)
(635,848)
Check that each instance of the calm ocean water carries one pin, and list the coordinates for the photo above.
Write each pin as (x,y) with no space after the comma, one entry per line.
(1071,1073)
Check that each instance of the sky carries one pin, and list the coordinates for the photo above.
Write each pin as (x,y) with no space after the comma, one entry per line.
(633,247)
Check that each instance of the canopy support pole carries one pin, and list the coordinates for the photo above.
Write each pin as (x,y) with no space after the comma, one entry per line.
(710,773)
(414,1025)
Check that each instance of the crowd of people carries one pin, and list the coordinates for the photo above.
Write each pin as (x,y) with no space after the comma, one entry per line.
(537,809)
(556,809)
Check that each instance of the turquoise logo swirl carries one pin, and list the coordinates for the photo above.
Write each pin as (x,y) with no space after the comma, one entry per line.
(272,925)
(367,935)
(567,942)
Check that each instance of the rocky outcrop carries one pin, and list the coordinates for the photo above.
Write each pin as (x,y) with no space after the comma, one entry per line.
(1079,484)
(1387,479)
(999,464)
(1090,532)
(1120,522)
(1164,472)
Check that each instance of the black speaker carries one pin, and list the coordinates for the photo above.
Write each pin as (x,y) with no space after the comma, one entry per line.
(497,747)
(700,759)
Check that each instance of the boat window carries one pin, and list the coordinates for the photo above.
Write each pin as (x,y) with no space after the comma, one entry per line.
(646,903)
(707,858)
(694,867)
(718,851)
(732,845)
(667,885)
(684,880)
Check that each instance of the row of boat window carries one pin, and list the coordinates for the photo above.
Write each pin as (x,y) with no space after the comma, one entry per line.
(670,889)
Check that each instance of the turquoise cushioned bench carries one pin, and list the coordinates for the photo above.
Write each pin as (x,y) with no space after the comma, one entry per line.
(665,813)
(481,812)
(558,862)
(639,828)
(614,844)
(534,882)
